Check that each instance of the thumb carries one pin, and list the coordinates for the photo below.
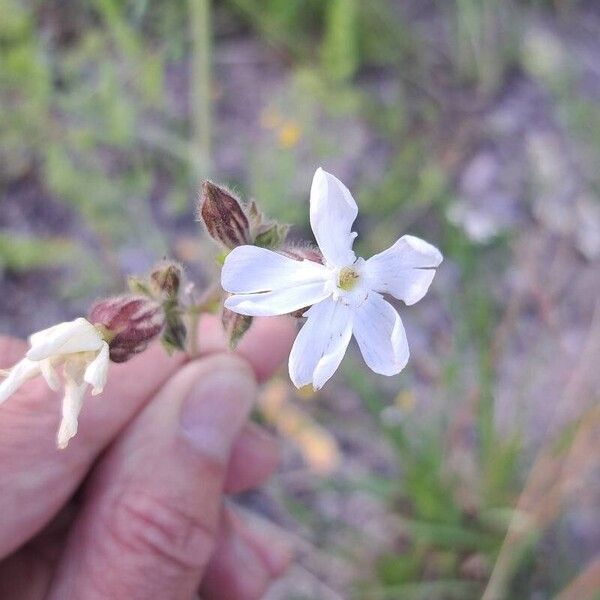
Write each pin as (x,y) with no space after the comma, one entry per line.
(151,510)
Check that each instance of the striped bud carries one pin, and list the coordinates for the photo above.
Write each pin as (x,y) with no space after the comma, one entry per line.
(223,216)
(128,323)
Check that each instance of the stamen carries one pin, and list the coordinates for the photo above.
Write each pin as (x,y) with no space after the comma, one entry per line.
(347,278)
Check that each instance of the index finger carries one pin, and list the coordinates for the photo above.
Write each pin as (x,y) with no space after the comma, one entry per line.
(36,479)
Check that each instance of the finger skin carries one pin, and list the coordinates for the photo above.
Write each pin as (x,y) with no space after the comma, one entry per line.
(247,558)
(11,350)
(26,574)
(253,459)
(37,479)
(152,510)
(235,571)
(268,341)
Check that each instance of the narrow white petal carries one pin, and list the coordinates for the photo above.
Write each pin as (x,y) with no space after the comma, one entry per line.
(249,269)
(332,213)
(279,302)
(380,335)
(65,338)
(75,366)
(49,374)
(71,407)
(97,370)
(17,376)
(321,344)
(405,270)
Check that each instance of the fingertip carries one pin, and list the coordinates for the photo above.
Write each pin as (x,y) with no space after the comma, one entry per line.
(11,350)
(269,544)
(265,346)
(236,571)
(254,457)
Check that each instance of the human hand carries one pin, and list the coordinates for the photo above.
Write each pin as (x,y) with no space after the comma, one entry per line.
(134,507)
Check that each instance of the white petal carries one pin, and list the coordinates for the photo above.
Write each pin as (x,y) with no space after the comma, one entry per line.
(321,343)
(332,212)
(49,374)
(71,406)
(381,336)
(279,302)
(405,270)
(249,269)
(97,370)
(65,338)
(75,366)
(17,376)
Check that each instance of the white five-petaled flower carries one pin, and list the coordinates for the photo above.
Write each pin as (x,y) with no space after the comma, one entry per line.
(344,293)
(84,355)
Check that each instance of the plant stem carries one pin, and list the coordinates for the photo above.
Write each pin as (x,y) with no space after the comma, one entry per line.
(209,302)
(200,86)
(193,319)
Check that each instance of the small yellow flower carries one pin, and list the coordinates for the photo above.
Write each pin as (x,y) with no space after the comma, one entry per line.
(288,134)
(405,401)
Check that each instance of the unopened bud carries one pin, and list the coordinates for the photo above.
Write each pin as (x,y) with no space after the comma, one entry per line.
(223,216)
(235,326)
(130,323)
(166,278)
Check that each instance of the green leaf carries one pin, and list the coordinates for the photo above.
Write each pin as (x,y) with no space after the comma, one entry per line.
(272,237)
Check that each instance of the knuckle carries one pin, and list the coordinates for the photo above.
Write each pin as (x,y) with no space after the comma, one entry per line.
(156,531)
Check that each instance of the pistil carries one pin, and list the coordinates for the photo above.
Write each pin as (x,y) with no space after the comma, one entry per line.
(347,278)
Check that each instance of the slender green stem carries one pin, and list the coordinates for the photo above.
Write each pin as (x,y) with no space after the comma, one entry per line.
(193,318)
(200,88)
(209,302)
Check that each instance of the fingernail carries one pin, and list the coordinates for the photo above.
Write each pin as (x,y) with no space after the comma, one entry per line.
(216,407)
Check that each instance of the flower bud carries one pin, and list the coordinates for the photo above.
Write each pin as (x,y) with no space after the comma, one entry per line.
(129,324)
(166,278)
(223,216)
(235,326)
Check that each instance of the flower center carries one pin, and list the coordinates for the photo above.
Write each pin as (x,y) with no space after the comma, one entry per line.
(347,278)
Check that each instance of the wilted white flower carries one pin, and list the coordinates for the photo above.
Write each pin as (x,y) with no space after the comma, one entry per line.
(84,355)
(344,293)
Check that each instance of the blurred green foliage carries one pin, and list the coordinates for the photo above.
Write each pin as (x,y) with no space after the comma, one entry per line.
(21,253)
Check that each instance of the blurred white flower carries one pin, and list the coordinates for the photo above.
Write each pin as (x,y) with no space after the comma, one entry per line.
(344,294)
(84,355)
